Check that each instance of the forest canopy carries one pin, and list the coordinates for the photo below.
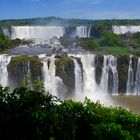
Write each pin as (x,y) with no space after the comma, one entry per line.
(27,115)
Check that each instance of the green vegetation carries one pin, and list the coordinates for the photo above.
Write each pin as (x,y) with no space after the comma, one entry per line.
(109,39)
(133,40)
(25,70)
(90,44)
(106,43)
(65,70)
(116,51)
(34,61)
(24,58)
(5,43)
(34,115)
(61,65)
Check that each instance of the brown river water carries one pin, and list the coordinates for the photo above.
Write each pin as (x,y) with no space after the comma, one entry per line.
(131,103)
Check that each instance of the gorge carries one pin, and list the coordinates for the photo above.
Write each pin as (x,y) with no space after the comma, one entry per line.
(64,73)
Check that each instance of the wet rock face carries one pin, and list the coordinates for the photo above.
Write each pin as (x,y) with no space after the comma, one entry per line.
(99,66)
(110,82)
(94,32)
(16,73)
(36,69)
(20,66)
(122,67)
(70,31)
(24,68)
(65,70)
(135,63)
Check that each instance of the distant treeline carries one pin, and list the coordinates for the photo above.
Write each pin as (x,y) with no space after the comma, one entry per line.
(66,22)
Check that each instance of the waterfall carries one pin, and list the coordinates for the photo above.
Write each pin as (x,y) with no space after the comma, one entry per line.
(6,32)
(113,67)
(48,71)
(137,81)
(90,87)
(78,80)
(105,74)
(4,61)
(61,88)
(44,32)
(37,32)
(28,74)
(125,29)
(89,83)
(83,31)
(88,32)
(110,63)
(130,80)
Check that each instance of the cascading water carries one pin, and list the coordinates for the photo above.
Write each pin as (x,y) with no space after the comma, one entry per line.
(28,74)
(89,83)
(37,32)
(137,81)
(49,74)
(4,61)
(83,31)
(105,73)
(90,88)
(6,32)
(44,33)
(113,67)
(110,63)
(130,80)
(78,80)
(125,29)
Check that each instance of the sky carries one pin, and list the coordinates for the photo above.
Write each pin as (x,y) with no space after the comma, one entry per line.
(81,9)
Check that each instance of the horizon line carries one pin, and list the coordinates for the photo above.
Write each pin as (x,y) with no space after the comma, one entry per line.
(26,18)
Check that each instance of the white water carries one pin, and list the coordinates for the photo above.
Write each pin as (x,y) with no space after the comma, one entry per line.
(37,32)
(4,61)
(83,31)
(49,74)
(89,83)
(105,74)
(125,29)
(90,87)
(92,90)
(6,32)
(137,81)
(78,80)
(130,80)
(28,72)
(110,63)
(113,67)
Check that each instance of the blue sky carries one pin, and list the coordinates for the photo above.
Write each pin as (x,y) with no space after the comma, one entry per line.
(87,9)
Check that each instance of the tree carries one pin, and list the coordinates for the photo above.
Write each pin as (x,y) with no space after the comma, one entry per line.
(109,39)
(5,42)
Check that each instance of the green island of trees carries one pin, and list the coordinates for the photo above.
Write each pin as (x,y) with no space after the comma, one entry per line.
(33,115)
(5,43)
(105,41)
